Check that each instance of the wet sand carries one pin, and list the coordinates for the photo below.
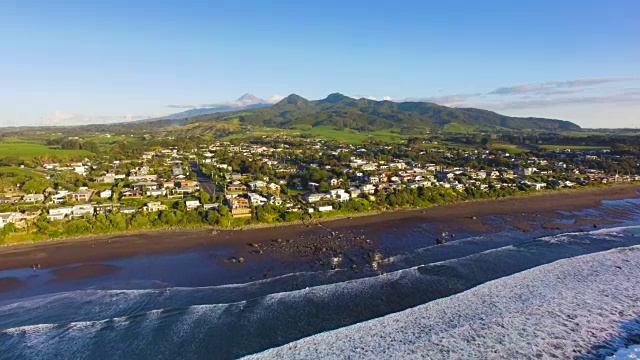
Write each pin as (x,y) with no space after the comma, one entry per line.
(522,213)
(83,271)
(8,284)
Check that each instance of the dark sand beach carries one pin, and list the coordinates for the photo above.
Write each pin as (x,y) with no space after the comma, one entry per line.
(520,213)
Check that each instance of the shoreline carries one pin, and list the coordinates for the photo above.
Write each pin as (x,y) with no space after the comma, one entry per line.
(467,215)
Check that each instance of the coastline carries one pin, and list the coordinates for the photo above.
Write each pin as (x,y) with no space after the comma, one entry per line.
(461,216)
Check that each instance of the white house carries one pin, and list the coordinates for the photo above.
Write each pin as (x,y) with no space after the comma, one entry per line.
(153,206)
(33,198)
(81,210)
(59,213)
(311,197)
(106,194)
(192,204)
(6,218)
(325,208)
(256,199)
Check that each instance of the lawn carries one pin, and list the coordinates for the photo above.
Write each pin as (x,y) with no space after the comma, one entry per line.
(573,147)
(25,150)
(510,148)
(18,171)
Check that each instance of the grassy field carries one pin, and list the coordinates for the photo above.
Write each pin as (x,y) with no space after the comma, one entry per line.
(573,147)
(18,171)
(25,150)
(510,148)
(598,133)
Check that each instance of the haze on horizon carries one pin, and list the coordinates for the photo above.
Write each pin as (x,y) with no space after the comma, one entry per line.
(66,62)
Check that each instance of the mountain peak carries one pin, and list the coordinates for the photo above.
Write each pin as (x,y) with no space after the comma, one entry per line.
(293,99)
(249,99)
(335,97)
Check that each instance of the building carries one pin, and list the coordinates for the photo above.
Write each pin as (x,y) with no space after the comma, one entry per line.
(339,195)
(82,210)
(106,194)
(82,195)
(6,218)
(153,206)
(256,199)
(33,198)
(192,204)
(236,187)
(239,206)
(313,197)
(59,213)
(325,208)
(257,185)
(273,199)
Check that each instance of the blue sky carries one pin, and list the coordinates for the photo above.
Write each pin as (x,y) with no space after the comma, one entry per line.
(78,62)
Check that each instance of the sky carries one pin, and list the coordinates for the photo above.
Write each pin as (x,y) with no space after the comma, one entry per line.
(80,62)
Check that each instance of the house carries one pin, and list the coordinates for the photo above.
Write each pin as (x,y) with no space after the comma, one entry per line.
(60,197)
(239,206)
(82,210)
(339,195)
(354,192)
(150,185)
(325,208)
(128,210)
(210,206)
(143,178)
(177,171)
(59,213)
(153,206)
(8,199)
(538,185)
(33,198)
(313,197)
(273,199)
(192,204)
(82,195)
(368,189)
(105,179)
(256,185)
(169,184)
(104,208)
(236,187)
(256,199)
(106,194)
(79,170)
(156,192)
(6,218)
(335,182)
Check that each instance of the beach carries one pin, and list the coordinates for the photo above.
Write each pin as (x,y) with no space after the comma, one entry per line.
(522,213)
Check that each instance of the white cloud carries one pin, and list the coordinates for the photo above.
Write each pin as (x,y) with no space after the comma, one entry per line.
(274,99)
(552,86)
(62,118)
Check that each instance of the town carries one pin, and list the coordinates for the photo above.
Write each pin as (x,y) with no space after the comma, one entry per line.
(277,180)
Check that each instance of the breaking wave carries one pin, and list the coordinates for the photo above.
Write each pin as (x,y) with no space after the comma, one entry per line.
(230,321)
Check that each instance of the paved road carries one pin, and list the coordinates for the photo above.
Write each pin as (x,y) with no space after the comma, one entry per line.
(205,181)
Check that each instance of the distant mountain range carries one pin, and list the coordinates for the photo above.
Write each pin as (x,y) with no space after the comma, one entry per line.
(245,102)
(340,111)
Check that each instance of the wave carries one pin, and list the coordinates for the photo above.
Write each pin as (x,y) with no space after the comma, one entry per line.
(260,315)
(567,309)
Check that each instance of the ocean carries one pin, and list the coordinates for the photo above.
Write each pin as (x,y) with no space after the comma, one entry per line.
(507,295)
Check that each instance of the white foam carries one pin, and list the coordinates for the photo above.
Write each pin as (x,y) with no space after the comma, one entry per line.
(632,352)
(556,310)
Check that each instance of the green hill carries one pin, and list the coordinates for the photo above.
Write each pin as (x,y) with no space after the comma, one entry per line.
(342,112)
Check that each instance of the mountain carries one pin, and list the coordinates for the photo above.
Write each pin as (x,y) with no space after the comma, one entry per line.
(245,102)
(340,111)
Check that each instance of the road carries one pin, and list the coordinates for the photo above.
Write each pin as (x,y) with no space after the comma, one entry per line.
(205,181)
